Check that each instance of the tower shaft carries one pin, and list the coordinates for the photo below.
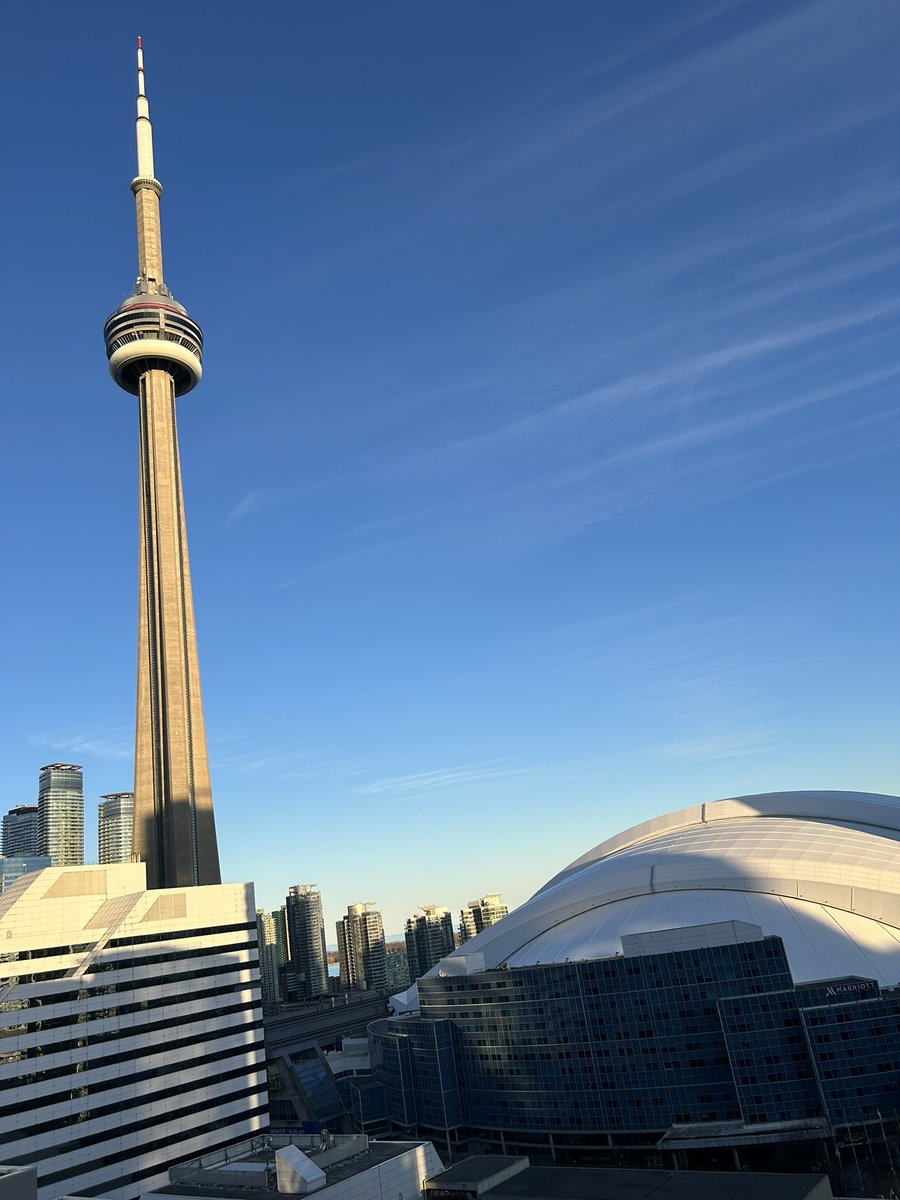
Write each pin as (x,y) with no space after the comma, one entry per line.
(174,830)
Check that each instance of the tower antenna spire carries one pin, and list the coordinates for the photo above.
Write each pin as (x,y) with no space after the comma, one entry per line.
(147,191)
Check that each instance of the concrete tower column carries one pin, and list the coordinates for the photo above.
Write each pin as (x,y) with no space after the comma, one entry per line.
(155,352)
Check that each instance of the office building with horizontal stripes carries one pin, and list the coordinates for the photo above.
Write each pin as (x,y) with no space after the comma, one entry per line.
(131,1033)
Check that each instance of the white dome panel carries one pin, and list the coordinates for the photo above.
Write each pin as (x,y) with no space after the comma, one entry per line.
(819,869)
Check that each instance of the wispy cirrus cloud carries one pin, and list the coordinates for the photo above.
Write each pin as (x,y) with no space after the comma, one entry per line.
(115,744)
(334,562)
(713,746)
(676,374)
(720,321)
(246,756)
(250,502)
(361,776)
(444,779)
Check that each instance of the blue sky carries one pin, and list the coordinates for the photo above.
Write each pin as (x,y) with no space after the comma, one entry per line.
(543,477)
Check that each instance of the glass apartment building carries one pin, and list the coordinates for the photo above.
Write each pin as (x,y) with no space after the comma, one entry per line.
(20,832)
(308,958)
(61,814)
(429,937)
(361,951)
(479,914)
(115,827)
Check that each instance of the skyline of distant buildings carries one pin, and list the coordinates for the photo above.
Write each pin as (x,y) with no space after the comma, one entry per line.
(53,828)
(366,964)
(294,957)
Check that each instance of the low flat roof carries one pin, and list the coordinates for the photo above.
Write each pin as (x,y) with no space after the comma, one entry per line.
(476,1169)
(602,1183)
(345,1168)
(735,1133)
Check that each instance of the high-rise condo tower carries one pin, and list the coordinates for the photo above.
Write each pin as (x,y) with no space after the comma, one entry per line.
(155,350)
(115,827)
(61,814)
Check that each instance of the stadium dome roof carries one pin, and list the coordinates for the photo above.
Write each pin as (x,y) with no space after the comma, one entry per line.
(820,869)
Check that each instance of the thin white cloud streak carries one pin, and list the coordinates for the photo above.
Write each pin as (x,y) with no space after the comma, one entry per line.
(757,268)
(573,122)
(695,367)
(885,445)
(785,51)
(299,764)
(566,145)
(112,746)
(546,410)
(719,428)
(294,764)
(337,561)
(368,172)
(665,36)
(441,780)
(714,746)
(741,261)
(251,502)
(803,135)
(554,504)
(699,668)
(247,754)
(766,299)
(786,225)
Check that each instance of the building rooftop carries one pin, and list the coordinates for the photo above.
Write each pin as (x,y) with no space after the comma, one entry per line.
(600,1183)
(701,1134)
(466,1175)
(248,1171)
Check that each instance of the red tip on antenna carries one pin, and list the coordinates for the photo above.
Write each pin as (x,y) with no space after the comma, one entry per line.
(139,43)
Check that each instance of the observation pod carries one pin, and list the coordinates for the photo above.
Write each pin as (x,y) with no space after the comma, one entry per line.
(153,331)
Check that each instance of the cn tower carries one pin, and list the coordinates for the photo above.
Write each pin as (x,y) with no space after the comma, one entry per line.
(155,351)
